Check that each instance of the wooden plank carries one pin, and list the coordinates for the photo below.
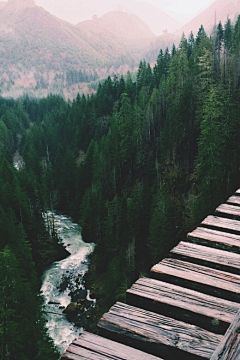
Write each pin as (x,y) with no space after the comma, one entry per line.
(93,347)
(160,335)
(222,223)
(234,200)
(229,347)
(183,304)
(216,239)
(238,191)
(201,278)
(111,348)
(203,255)
(228,210)
(77,353)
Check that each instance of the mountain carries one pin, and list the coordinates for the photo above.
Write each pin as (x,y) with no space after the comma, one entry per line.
(127,33)
(31,39)
(157,20)
(38,50)
(218,11)
(152,14)
(118,24)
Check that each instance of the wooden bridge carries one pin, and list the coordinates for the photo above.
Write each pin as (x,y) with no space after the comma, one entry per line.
(190,307)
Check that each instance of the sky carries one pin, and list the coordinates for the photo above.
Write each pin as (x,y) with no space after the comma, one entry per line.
(78,10)
(189,7)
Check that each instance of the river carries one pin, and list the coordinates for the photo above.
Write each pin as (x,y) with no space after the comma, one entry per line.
(63,278)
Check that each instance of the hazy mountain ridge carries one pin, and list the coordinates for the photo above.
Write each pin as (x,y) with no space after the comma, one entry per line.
(82,10)
(124,33)
(109,24)
(35,32)
(157,20)
(219,10)
(37,49)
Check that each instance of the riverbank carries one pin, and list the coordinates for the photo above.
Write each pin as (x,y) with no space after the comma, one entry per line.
(98,284)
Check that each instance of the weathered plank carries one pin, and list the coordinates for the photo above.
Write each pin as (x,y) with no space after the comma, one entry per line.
(234,200)
(76,353)
(93,347)
(160,335)
(222,223)
(228,210)
(216,239)
(229,347)
(183,304)
(201,278)
(203,255)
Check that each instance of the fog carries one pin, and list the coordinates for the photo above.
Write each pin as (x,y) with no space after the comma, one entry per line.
(75,11)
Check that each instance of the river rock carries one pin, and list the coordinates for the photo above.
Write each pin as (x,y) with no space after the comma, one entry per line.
(78,295)
(71,308)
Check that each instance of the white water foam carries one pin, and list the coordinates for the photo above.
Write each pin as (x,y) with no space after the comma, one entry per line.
(63,277)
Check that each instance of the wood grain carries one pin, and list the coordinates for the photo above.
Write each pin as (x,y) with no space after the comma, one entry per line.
(93,347)
(216,239)
(229,347)
(228,210)
(234,200)
(158,334)
(183,304)
(222,223)
(201,278)
(203,255)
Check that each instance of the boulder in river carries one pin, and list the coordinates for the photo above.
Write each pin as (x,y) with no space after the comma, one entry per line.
(78,295)
(71,308)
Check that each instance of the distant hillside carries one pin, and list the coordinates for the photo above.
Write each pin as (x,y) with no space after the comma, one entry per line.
(80,10)
(157,20)
(41,53)
(219,10)
(161,42)
(126,32)
(33,37)
(118,23)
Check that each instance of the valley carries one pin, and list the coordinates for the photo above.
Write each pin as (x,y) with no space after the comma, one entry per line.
(132,135)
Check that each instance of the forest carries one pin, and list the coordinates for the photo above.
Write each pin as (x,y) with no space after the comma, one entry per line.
(137,165)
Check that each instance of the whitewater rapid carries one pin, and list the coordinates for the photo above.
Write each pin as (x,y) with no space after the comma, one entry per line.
(63,277)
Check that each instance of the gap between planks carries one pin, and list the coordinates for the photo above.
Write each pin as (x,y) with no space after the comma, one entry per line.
(183,304)
(160,335)
(201,278)
(215,238)
(203,255)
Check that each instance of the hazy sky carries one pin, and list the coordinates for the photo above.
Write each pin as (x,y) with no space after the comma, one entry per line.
(182,6)
(72,10)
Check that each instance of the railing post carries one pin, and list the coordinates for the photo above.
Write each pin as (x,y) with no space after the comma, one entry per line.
(229,347)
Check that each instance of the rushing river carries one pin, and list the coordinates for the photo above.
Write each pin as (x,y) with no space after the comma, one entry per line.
(63,278)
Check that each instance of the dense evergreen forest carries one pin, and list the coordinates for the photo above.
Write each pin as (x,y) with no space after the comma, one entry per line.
(137,164)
